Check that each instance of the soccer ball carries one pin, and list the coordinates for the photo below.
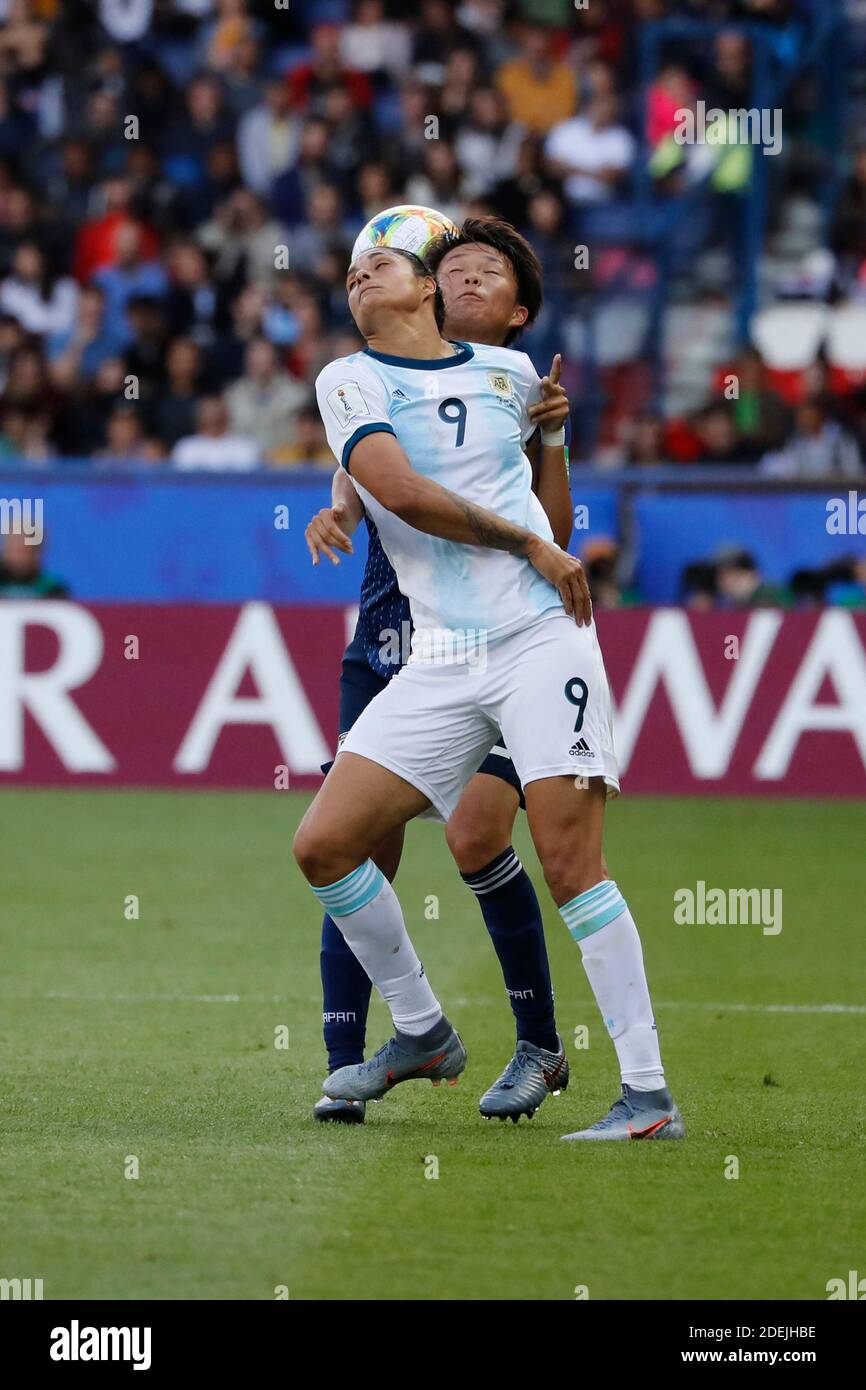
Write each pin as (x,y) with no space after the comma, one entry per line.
(404,228)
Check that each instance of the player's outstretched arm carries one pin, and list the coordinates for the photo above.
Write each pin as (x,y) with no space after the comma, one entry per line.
(334,525)
(380,465)
(550,469)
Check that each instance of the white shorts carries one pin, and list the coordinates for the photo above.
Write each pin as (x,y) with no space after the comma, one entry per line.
(545,688)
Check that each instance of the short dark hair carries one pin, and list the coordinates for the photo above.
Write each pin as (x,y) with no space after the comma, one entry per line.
(422,270)
(498,234)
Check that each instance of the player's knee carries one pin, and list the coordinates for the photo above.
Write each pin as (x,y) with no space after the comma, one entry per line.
(568,873)
(315,855)
(473,844)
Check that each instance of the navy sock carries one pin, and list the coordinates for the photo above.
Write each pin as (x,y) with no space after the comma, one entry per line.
(346,992)
(513,918)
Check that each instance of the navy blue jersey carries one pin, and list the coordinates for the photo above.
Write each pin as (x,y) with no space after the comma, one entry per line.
(382,610)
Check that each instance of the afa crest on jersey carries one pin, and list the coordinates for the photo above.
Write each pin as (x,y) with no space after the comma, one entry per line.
(500,382)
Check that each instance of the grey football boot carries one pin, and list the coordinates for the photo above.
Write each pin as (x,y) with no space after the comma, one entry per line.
(530,1077)
(345,1112)
(400,1059)
(638,1115)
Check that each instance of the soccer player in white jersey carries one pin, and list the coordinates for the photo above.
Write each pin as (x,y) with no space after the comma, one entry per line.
(432,435)
(491,283)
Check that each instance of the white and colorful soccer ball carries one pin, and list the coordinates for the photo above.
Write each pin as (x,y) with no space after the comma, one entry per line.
(404,228)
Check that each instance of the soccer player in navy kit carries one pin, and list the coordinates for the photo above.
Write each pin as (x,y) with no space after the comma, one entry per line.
(491,285)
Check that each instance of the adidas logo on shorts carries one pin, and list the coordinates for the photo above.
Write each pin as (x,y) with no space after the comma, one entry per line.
(581,749)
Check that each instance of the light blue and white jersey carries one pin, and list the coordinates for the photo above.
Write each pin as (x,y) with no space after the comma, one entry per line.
(463,422)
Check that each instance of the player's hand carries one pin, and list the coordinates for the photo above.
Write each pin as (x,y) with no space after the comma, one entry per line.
(552,411)
(566,574)
(326,530)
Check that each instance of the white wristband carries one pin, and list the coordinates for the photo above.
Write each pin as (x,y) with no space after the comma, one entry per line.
(555,439)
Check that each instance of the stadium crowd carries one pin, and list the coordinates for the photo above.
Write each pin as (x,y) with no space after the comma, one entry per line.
(181,182)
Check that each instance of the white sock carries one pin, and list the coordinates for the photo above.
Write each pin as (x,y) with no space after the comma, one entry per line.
(368,913)
(603,927)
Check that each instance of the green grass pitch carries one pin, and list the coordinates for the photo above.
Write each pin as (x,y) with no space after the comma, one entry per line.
(117,1043)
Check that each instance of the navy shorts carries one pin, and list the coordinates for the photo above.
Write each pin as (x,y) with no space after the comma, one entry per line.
(359,684)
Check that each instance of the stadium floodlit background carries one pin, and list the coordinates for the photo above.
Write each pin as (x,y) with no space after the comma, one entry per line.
(181,182)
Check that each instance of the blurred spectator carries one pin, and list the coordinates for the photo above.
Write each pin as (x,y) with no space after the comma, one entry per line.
(698,586)
(375,188)
(730,579)
(125,439)
(173,412)
(267,139)
(83,420)
(290,191)
(308,445)
(719,442)
(591,153)
(145,355)
(462,78)
(373,45)
(351,134)
(325,229)
(438,183)
(310,350)
(309,82)
(11,338)
(729,81)
(212,446)
(437,37)
(40,300)
(130,276)
(264,403)
(511,197)
(488,144)
(739,583)
(601,559)
(21,572)
(76,354)
(761,418)
(28,385)
(126,20)
(241,239)
(194,303)
(96,244)
(819,448)
(540,91)
(848,237)
(24,434)
(201,124)
(646,441)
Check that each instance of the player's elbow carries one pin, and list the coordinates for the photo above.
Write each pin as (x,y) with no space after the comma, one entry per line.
(400,495)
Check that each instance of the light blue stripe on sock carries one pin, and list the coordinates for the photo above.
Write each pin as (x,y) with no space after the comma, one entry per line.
(592,910)
(599,891)
(579,912)
(353,892)
(348,889)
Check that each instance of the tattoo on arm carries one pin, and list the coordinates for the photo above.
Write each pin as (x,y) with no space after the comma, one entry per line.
(491,530)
